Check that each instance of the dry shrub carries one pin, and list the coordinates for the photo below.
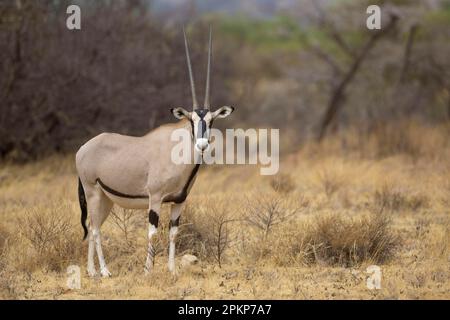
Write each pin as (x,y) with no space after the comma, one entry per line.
(206,231)
(395,200)
(422,227)
(4,236)
(189,239)
(445,198)
(337,240)
(264,211)
(411,138)
(282,183)
(122,219)
(389,140)
(408,137)
(54,240)
(330,182)
(127,242)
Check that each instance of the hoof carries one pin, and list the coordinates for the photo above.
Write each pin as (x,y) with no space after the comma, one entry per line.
(173,273)
(105,273)
(92,273)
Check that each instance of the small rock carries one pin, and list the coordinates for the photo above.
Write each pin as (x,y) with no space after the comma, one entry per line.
(188,259)
(230,275)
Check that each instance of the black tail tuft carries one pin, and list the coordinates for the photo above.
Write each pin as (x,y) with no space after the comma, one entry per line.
(83,207)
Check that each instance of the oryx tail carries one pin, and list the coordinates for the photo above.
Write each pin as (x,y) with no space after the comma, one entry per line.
(83,207)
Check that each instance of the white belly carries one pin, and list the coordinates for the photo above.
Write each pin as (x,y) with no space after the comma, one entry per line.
(128,203)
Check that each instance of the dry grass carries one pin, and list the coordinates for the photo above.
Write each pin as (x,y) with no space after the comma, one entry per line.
(48,240)
(264,211)
(207,231)
(396,199)
(330,182)
(348,242)
(282,183)
(308,233)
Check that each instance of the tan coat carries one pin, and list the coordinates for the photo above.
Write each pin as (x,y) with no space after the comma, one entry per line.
(139,167)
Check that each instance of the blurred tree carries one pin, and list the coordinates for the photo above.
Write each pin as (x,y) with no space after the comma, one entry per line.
(121,72)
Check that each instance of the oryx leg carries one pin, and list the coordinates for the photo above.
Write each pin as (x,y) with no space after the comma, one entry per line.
(153,218)
(99,207)
(91,252)
(173,230)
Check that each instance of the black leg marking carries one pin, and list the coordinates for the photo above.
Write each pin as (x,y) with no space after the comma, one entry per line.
(151,252)
(174,223)
(153,218)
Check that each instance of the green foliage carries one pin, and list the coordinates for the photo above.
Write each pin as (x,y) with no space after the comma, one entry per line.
(439,17)
(278,33)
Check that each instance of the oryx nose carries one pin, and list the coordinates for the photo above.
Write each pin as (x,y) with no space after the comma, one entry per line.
(201,144)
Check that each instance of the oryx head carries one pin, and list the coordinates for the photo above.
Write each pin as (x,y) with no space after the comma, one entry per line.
(201,118)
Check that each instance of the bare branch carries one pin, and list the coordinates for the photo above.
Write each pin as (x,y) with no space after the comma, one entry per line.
(408,52)
(338,94)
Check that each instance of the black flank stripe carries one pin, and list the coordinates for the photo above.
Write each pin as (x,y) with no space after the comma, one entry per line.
(120,194)
(180,197)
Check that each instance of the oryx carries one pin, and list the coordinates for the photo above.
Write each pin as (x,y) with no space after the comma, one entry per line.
(137,172)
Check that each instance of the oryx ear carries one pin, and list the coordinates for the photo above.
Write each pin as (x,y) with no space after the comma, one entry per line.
(222,112)
(180,113)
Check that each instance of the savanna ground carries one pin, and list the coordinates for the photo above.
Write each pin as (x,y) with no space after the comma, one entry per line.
(308,233)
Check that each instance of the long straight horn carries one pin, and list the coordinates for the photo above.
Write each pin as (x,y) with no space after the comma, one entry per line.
(191,76)
(208,73)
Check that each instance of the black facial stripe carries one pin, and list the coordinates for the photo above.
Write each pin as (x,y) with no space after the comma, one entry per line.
(192,128)
(118,193)
(201,112)
(201,129)
(153,218)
